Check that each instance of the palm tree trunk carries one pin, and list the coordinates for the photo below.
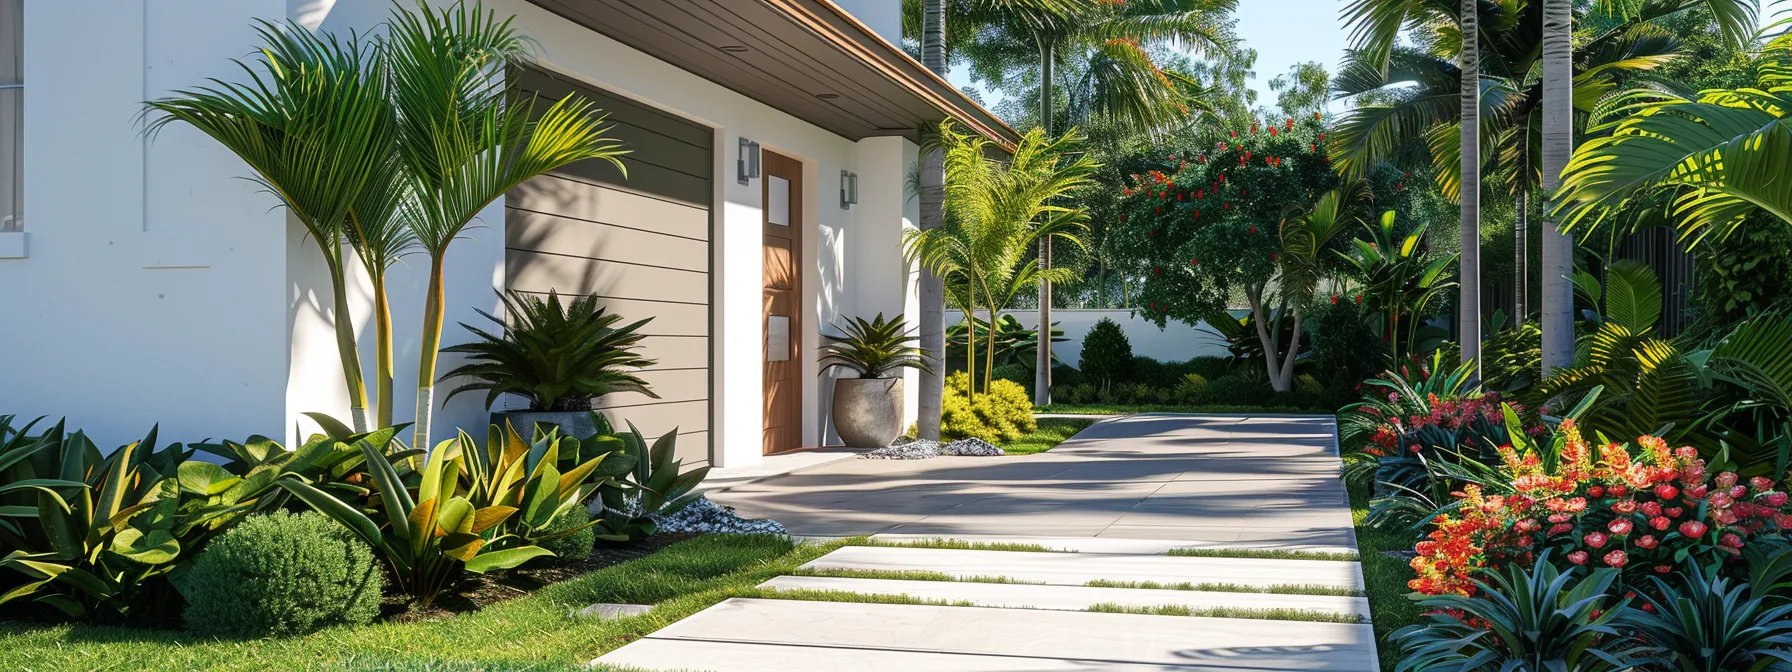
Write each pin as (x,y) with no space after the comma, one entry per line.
(1558,143)
(345,342)
(1468,308)
(1042,365)
(1521,275)
(426,365)
(932,289)
(382,336)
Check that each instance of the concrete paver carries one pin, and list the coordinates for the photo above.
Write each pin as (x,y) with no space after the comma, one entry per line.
(1076,569)
(1070,598)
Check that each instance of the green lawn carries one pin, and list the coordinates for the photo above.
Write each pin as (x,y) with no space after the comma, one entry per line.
(537,632)
(1131,409)
(1051,432)
(1384,575)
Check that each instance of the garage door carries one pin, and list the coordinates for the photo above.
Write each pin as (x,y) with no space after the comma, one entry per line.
(640,244)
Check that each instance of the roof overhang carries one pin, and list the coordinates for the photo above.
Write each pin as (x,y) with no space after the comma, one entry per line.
(807,58)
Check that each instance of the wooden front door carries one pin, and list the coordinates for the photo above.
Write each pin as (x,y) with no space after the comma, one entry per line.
(782,191)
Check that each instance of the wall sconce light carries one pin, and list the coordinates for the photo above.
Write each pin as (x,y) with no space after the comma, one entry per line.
(849,189)
(749,160)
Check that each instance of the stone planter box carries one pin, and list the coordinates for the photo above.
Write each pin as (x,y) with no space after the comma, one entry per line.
(868,411)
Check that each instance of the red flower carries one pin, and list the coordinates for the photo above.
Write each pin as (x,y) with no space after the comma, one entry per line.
(1578,557)
(1663,569)
(1596,491)
(1661,523)
(1646,542)
(1624,506)
(1620,527)
(1253,230)
(1666,491)
(1595,539)
(1359,298)
(1730,540)
(1698,491)
(1616,558)
(1194,262)
(1651,509)
(1774,499)
(1334,299)
(1559,528)
(1726,479)
(1235,134)
(1694,529)
(1761,483)
(1674,511)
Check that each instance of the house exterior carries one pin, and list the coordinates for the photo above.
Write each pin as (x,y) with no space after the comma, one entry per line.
(146,282)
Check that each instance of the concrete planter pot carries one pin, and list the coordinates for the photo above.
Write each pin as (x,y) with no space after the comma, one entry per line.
(572,423)
(868,411)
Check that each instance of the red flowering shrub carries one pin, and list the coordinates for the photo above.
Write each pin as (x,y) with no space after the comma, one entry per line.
(1641,509)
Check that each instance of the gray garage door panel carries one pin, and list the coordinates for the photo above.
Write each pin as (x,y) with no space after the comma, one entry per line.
(640,244)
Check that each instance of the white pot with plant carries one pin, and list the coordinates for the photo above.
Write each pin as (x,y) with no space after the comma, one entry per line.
(868,409)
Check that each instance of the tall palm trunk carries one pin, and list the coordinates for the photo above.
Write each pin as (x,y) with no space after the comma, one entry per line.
(1468,308)
(1521,276)
(382,330)
(933,197)
(345,337)
(1042,364)
(432,344)
(1558,143)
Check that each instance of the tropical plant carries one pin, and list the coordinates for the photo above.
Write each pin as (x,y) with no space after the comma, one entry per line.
(543,480)
(1531,620)
(429,538)
(315,124)
(1513,358)
(995,211)
(658,484)
(1015,343)
(1754,358)
(96,536)
(1401,284)
(465,139)
(1107,354)
(1003,412)
(1703,623)
(281,574)
(875,348)
(559,357)
(1722,154)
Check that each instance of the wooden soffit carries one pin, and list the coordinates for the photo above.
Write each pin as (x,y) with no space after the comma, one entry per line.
(807,58)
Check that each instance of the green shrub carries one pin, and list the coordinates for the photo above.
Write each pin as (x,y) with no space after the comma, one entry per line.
(1107,354)
(1209,367)
(1341,343)
(1239,390)
(576,546)
(1192,389)
(281,574)
(1305,384)
(1002,413)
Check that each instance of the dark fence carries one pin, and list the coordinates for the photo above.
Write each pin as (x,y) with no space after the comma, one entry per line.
(1655,247)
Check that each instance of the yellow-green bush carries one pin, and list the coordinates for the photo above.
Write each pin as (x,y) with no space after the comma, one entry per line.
(999,414)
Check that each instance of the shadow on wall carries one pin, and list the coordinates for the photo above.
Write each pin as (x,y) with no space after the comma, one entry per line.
(1176,342)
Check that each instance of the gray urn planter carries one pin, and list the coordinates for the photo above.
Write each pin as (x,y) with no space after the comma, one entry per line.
(572,423)
(868,411)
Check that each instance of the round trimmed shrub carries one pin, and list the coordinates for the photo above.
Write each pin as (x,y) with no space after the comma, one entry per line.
(1002,413)
(575,546)
(1192,389)
(1107,354)
(281,574)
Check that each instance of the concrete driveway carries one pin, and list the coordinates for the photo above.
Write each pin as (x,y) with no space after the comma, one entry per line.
(1266,481)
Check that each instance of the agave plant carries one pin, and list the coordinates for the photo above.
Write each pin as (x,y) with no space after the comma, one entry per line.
(1706,624)
(559,357)
(429,538)
(1538,620)
(874,348)
(658,484)
(541,479)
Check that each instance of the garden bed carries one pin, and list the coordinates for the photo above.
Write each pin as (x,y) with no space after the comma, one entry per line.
(535,632)
(1134,409)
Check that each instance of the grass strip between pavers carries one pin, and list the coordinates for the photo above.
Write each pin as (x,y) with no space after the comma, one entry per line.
(536,632)
(959,545)
(906,575)
(1306,615)
(1263,554)
(1280,589)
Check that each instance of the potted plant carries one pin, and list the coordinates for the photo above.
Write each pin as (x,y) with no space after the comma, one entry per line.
(559,356)
(868,408)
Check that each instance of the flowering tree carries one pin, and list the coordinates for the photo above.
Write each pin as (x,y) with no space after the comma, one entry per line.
(1238,215)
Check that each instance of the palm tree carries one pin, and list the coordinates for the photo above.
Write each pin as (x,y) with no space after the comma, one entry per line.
(376,229)
(932,326)
(465,140)
(1723,153)
(996,211)
(1468,305)
(315,125)
(1558,143)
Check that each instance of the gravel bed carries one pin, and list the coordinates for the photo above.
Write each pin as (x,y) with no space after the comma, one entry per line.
(921,449)
(703,516)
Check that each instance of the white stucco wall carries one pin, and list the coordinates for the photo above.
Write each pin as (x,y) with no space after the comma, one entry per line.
(161,287)
(1176,342)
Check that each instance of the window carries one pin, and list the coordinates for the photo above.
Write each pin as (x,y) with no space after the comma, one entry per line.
(12,114)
